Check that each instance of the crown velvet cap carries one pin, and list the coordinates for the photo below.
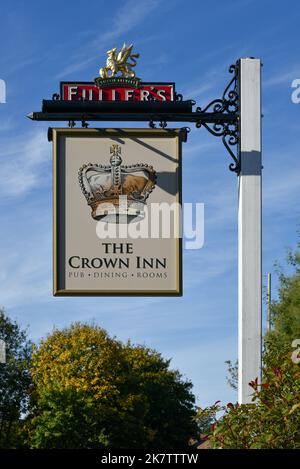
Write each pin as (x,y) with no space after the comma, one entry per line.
(105,188)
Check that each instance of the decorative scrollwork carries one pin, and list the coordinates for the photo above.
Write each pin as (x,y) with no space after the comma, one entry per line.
(184,131)
(178,97)
(227,105)
(84,124)
(163,124)
(229,134)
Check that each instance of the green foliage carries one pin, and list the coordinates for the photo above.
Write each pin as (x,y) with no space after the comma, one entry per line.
(273,419)
(91,391)
(285,312)
(14,381)
(206,418)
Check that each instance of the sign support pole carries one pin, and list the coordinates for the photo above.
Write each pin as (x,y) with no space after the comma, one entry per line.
(249,229)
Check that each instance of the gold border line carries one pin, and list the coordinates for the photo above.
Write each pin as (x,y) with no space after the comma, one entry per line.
(118,132)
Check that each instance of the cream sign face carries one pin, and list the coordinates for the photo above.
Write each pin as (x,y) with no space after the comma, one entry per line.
(113,191)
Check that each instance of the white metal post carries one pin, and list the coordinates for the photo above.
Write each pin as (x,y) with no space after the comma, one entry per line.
(249,229)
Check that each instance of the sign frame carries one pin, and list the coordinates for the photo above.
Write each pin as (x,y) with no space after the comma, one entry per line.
(59,214)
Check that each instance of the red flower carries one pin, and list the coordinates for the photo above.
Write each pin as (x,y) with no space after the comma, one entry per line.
(254,383)
(277,372)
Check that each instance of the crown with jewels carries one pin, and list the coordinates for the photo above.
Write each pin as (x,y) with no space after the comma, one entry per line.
(102,186)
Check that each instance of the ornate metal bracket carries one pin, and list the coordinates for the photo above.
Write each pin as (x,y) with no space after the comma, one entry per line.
(220,117)
(228,105)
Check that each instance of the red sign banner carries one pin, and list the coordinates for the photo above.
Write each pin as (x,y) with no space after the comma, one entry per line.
(89,91)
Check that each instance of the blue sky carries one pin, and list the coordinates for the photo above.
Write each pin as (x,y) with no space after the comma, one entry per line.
(192,43)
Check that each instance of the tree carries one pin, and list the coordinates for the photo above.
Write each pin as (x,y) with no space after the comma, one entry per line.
(285,312)
(14,381)
(273,419)
(92,391)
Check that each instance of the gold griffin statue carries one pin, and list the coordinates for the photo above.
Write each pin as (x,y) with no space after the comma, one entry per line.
(119,62)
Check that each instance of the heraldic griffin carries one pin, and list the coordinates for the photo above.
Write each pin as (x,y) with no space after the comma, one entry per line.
(119,62)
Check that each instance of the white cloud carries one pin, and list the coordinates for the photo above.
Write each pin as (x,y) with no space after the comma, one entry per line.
(24,160)
(282,78)
(211,262)
(25,269)
(199,90)
(281,193)
(197,149)
(7,125)
(130,15)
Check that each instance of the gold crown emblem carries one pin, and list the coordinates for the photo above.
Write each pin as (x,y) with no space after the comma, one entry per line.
(104,185)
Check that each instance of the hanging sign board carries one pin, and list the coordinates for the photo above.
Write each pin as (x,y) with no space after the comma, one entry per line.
(117,195)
